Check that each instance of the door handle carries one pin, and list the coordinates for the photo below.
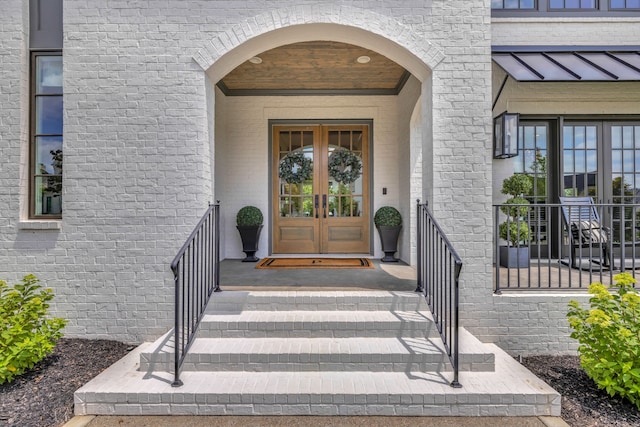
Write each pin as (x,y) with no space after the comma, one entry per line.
(317,205)
(324,205)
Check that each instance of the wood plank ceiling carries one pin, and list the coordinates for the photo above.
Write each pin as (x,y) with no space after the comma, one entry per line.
(316,68)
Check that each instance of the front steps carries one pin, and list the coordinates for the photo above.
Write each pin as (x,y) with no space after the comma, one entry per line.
(318,353)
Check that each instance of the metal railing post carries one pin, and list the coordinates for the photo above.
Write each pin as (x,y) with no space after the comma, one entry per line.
(419,241)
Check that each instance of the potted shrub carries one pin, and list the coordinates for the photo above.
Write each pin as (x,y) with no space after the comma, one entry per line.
(516,230)
(388,221)
(249,224)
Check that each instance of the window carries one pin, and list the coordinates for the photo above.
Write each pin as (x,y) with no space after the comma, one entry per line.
(513,4)
(46,134)
(45,141)
(624,4)
(625,180)
(580,161)
(572,4)
(532,159)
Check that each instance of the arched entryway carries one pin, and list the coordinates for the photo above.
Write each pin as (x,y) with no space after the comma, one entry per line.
(243,172)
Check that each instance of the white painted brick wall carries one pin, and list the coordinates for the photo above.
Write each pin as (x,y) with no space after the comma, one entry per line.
(140,133)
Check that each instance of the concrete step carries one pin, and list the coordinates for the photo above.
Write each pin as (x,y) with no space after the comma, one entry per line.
(236,301)
(317,324)
(319,354)
(511,390)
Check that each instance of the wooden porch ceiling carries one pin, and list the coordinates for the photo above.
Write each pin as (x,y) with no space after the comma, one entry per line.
(316,68)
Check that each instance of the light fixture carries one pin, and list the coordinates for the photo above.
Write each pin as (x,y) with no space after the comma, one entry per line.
(505,135)
(364,59)
(255,60)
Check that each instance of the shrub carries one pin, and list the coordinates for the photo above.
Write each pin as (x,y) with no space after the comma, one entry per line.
(387,215)
(26,334)
(517,230)
(609,337)
(248,216)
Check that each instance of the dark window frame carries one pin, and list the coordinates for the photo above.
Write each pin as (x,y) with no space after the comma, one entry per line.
(33,134)
(542,9)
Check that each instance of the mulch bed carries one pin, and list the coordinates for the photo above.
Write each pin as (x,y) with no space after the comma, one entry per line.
(583,404)
(43,397)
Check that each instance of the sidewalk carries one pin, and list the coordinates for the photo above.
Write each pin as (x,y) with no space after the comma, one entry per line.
(289,421)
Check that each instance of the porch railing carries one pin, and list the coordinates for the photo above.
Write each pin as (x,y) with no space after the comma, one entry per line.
(438,268)
(196,273)
(549,263)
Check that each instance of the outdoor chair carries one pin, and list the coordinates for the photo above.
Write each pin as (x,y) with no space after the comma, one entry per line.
(585,231)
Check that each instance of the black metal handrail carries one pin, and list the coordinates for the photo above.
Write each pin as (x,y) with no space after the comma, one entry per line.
(196,273)
(439,268)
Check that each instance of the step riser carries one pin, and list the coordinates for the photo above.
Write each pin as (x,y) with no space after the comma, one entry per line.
(440,364)
(301,301)
(288,331)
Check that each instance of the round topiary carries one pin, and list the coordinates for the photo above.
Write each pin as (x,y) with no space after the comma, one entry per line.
(248,216)
(387,215)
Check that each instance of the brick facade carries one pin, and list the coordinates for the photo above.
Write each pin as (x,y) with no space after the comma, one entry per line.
(149,141)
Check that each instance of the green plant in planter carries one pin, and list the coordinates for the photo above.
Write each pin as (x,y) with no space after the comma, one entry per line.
(516,231)
(249,216)
(249,224)
(387,216)
(388,221)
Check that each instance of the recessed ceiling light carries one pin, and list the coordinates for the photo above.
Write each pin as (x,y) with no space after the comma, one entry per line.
(255,60)
(363,59)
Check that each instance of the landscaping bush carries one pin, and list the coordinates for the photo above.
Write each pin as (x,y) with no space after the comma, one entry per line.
(609,337)
(26,334)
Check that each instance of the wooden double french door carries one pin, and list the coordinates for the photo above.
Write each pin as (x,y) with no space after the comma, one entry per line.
(320,189)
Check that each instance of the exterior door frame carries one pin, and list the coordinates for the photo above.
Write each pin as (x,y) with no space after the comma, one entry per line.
(320,122)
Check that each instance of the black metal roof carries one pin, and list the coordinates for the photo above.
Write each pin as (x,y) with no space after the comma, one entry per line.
(577,63)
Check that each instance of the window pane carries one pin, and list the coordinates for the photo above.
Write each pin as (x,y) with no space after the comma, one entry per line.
(617,4)
(591,137)
(567,142)
(513,4)
(627,137)
(616,137)
(48,157)
(48,75)
(48,195)
(49,115)
(572,4)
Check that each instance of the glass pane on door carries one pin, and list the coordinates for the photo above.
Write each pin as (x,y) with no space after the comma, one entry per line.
(296,187)
(580,165)
(345,166)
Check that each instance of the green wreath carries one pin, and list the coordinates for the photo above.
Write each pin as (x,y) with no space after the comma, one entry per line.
(295,168)
(344,166)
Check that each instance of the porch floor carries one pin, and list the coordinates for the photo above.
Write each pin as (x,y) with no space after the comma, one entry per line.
(238,275)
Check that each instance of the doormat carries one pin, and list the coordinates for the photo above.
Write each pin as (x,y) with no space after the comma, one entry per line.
(290,263)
